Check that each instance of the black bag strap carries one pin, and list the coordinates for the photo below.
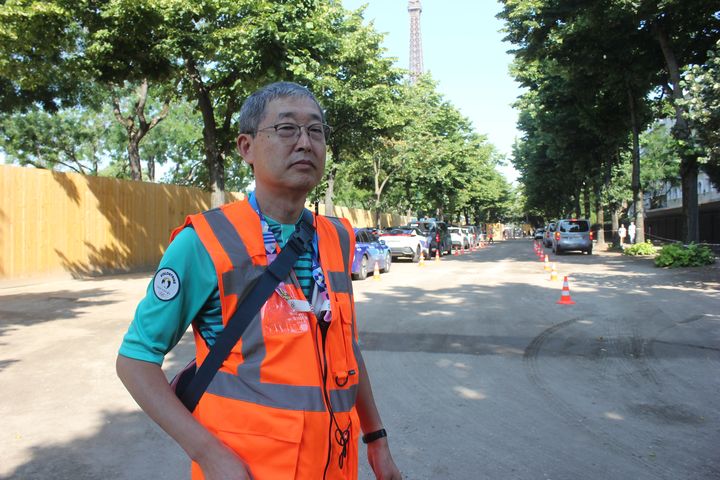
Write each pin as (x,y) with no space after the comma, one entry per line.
(276,272)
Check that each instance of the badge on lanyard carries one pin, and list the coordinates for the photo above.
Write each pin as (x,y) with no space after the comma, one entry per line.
(296,304)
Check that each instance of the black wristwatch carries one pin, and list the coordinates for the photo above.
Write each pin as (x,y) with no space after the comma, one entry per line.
(372,436)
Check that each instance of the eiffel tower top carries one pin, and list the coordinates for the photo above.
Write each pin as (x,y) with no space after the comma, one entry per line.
(416,54)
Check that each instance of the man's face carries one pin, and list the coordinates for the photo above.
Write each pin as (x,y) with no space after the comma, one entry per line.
(282,164)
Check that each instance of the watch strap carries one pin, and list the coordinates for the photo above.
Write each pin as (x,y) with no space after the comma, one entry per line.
(372,436)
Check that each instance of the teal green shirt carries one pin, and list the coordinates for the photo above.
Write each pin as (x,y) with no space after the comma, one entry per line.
(159,324)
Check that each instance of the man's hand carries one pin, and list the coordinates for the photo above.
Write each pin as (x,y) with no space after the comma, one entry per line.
(148,385)
(381,460)
(221,463)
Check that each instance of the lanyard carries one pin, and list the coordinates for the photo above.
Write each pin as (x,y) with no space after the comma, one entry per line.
(320,301)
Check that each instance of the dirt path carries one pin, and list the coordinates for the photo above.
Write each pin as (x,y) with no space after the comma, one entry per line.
(478,372)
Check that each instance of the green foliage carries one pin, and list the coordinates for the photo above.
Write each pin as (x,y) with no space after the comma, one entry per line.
(643,248)
(72,139)
(396,145)
(593,75)
(702,102)
(676,255)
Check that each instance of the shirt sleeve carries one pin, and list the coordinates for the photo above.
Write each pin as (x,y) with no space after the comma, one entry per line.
(164,314)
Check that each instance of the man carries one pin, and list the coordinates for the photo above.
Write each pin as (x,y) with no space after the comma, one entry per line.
(292,398)
(631,232)
(621,235)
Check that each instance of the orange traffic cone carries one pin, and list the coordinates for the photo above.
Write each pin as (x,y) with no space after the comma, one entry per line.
(565,296)
(553,273)
(547,264)
(376,272)
(422,260)
(437,255)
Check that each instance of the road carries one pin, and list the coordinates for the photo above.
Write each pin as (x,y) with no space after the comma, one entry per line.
(478,373)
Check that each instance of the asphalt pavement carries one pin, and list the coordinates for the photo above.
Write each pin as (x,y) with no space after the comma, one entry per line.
(477,371)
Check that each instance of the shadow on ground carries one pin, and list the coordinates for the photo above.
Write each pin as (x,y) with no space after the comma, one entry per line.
(121,450)
(27,309)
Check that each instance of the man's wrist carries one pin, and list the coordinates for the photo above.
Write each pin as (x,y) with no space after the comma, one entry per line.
(372,436)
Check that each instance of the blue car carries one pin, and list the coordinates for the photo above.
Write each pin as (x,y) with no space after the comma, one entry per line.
(369,250)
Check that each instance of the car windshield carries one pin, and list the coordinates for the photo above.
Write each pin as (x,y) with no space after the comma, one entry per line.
(423,226)
(401,231)
(454,230)
(574,226)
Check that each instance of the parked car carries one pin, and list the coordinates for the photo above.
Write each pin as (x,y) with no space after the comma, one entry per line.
(368,250)
(473,234)
(548,234)
(468,236)
(406,241)
(459,239)
(539,233)
(572,234)
(439,239)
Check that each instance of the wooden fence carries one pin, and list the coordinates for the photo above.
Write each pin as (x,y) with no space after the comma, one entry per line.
(53,223)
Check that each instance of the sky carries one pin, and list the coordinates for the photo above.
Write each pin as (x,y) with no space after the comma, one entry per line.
(463,50)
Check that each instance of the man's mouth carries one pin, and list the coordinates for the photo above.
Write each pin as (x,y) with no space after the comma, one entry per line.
(308,163)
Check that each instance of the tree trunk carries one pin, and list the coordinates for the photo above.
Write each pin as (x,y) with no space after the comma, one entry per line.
(638,203)
(600,217)
(133,150)
(137,131)
(213,158)
(689,175)
(329,205)
(578,210)
(586,201)
(151,168)
(681,131)
(615,224)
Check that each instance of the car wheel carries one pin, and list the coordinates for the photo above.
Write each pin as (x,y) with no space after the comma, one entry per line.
(362,274)
(416,255)
(589,251)
(388,262)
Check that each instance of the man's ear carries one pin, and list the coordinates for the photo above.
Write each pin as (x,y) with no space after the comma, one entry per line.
(244,146)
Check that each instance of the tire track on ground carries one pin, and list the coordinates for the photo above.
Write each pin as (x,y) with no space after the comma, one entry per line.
(568,413)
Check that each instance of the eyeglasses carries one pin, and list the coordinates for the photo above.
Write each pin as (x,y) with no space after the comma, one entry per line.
(318,132)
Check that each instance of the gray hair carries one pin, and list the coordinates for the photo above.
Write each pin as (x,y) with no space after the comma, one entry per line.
(254,106)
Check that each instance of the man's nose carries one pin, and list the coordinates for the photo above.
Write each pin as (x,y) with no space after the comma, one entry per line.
(303,141)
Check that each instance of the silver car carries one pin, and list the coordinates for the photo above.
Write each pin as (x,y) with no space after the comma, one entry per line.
(572,234)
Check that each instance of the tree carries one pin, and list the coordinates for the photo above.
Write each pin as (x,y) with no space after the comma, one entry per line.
(137,126)
(359,90)
(55,56)
(591,67)
(72,139)
(701,85)
(685,30)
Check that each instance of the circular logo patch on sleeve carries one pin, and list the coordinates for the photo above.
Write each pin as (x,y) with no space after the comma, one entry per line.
(166,284)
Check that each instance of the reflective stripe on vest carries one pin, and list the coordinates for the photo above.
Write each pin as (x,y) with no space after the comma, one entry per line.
(246,385)
(343,283)
(244,272)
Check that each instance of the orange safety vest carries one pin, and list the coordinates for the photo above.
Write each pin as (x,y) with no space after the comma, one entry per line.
(282,404)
